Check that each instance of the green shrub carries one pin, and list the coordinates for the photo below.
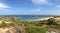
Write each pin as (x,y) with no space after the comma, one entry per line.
(35,29)
(3,24)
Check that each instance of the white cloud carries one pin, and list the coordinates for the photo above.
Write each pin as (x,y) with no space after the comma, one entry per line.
(3,6)
(40,2)
(58,6)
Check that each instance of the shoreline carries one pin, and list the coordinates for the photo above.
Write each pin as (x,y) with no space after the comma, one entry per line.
(40,19)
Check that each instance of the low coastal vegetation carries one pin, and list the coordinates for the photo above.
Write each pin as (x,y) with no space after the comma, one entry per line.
(29,26)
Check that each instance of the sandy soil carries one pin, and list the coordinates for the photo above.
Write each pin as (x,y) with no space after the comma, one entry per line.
(57,18)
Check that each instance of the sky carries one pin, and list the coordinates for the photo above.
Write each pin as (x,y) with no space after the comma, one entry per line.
(29,7)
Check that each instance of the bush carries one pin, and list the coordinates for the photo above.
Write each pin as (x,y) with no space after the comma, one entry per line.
(51,21)
(35,29)
(3,24)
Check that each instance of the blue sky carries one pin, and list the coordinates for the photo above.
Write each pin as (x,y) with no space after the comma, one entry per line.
(29,7)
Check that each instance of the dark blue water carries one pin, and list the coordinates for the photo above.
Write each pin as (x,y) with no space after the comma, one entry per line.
(27,17)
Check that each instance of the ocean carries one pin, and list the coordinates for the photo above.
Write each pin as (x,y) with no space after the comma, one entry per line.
(31,17)
(27,17)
